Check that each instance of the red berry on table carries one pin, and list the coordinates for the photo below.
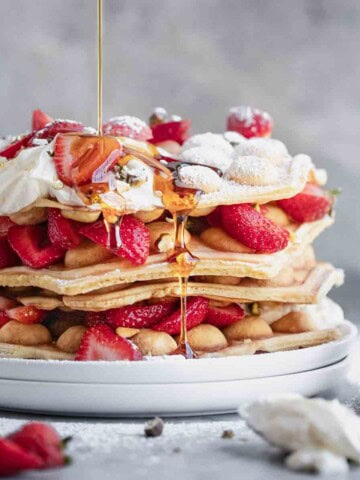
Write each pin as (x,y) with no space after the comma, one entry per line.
(57,126)
(249,122)
(135,238)
(31,245)
(14,458)
(223,316)
(139,316)
(41,440)
(311,204)
(27,314)
(127,126)
(40,120)
(62,231)
(101,343)
(177,131)
(196,311)
(77,157)
(251,228)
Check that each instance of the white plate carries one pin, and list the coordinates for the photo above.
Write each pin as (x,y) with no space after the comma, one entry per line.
(178,370)
(173,399)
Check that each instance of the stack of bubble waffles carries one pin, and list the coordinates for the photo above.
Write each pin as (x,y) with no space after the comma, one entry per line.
(85,238)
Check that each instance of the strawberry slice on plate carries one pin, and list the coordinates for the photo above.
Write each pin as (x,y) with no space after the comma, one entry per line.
(196,311)
(31,244)
(178,131)
(77,157)
(14,459)
(62,231)
(249,122)
(50,131)
(11,150)
(40,120)
(139,316)
(251,228)
(223,316)
(101,343)
(310,205)
(26,314)
(40,440)
(127,126)
(135,238)
(8,257)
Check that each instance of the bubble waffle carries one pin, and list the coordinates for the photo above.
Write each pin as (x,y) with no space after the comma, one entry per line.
(212,262)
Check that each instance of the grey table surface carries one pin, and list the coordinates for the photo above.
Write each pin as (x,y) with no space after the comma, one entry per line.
(190,448)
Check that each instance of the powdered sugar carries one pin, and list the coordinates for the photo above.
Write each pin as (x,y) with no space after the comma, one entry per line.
(247,115)
(269,148)
(251,170)
(210,156)
(200,177)
(134,123)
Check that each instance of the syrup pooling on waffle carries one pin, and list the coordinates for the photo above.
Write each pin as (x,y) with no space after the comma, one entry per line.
(116,211)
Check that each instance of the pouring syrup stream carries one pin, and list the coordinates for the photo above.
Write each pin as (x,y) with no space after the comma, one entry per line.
(99,66)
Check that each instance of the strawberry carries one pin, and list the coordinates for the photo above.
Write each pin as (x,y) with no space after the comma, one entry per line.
(135,238)
(62,231)
(40,120)
(5,224)
(77,157)
(251,228)
(101,343)
(28,242)
(26,314)
(249,122)
(223,316)
(3,319)
(178,131)
(14,459)
(138,316)
(127,126)
(11,150)
(42,441)
(311,204)
(7,303)
(94,318)
(8,257)
(196,311)
(214,218)
(57,126)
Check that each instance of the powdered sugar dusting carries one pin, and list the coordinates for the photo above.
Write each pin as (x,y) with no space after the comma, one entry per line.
(134,123)
(251,170)
(249,115)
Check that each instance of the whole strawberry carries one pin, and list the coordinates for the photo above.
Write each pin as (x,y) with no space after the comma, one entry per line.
(311,204)
(251,228)
(249,122)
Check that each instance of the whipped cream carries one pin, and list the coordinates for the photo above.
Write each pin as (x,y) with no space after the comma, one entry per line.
(322,433)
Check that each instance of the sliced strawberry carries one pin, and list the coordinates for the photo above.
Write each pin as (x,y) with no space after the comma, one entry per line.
(196,311)
(177,131)
(249,122)
(127,126)
(7,303)
(40,120)
(8,257)
(14,459)
(30,243)
(50,131)
(251,228)
(62,231)
(40,440)
(214,218)
(78,157)
(311,204)
(139,316)
(27,314)
(3,319)
(101,343)
(5,224)
(94,318)
(10,151)
(134,235)
(223,316)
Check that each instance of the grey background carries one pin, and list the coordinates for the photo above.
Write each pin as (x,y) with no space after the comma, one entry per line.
(298,59)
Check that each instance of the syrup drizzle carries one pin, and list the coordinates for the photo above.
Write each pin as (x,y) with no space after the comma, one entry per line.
(99,65)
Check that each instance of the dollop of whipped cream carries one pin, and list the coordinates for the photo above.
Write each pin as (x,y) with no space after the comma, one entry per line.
(322,434)
(30,176)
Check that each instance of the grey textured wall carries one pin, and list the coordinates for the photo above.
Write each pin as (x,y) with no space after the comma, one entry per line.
(299,59)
